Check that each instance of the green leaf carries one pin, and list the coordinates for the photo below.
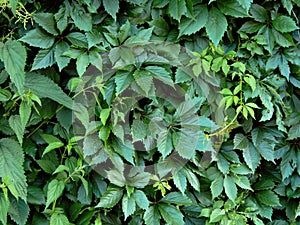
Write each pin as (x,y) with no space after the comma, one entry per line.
(151,216)
(171,214)
(111,7)
(258,13)
(35,195)
(18,211)
(44,87)
(230,188)
(161,74)
(38,38)
(78,40)
(216,25)
(16,124)
(141,199)
(245,3)
(4,205)
(216,186)
(61,60)
(13,5)
(82,63)
(251,157)
(61,17)
(46,21)
(243,182)
(233,8)
(81,18)
(294,132)
(216,215)
(123,79)
(176,198)
(52,146)
(110,197)
(266,150)
(139,130)
(144,80)
(284,24)
(177,8)
(190,26)
(268,198)
(240,142)
(59,219)
(13,54)
(164,143)
(128,206)
(180,181)
(25,112)
(5,95)
(54,191)
(44,59)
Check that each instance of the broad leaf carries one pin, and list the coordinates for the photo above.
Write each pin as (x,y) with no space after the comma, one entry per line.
(111,7)
(294,132)
(216,186)
(216,25)
(139,130)
(110,197)
(245,3)
(177,8)
(240,142)
(180,181)
(82,63)
(284,24)
(233,8)
(176,198)
(18,211)
(171,214)
(251,157)
(46,21)
(141,199)
(230,188)
(38,38)
(13,54)
(81,18)
(151,216)
(44,59)
(59,219)
(61,60)
(128,206)
(164,143)
(258,13)
(54,191)
(268,198)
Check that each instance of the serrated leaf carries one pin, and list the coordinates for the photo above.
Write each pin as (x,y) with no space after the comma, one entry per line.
(266,150)
(180,181)
(52,146)
(13,54)
(176,198)
(54,191)
(78,40)
(44,87)
(251,157)
(216,25)
(110,197)
(258,13)
(61,60)
(141,199)
(81,18)
(294,132)
(171,214)
(82,63)
(284,24)
(216,187)
(232,8)
(177,8)
(192,179)
(59,219)
(128,206)
(38,38)
(245,3)
(243,182)
(188,26)
(139,130)
(230,188)
(164,143)
(151,216)
(44,59)
(35,195)
(4,204)
(240,142)
(25,112)
(61,17)
(216,215)
(46,21)
(268,198)
(123,79)
(161,74)
(16,124)
(144,80)
(18,211)
(111,7)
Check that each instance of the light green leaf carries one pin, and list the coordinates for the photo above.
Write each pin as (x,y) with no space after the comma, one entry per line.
(141,199)
(144,80)
(176,198)
(128,206)
(13,54)
(16,125)
(81,18)
(268,198)
(54,191)
(25,112)
(111,7)
(43,59)
(192,179)
(44,87)
(13,5)
(179,180)
(284,24)
(104,114)
(61,60)
(59,219)
(216,215)
(243,182)
(38,38)
(230,188)
(4,205)
(216,25)
(245,4)
(110,197)
(46,21)
(164,143)
(294,132)
(188,26)
(82,63)
(161,74)
(151,216)
(18,211)
(171,214)
(52,146)
(177,8)
(216,186)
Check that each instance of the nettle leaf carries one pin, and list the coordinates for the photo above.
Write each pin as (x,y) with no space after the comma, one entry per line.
(38,38)
(16,124)
(268,198)
(44,87)
(190,26)
(12,166)
(44,59)
(216,25)
(230,188)
(13,54)
(151,216)
(54,191)
(128,205)
(111,7)
(176,198)
(233,8)
(18,211)
(171,214)
(59,219)
(81,18)
(284,24)
(177,8)
(110,197)
(46,21)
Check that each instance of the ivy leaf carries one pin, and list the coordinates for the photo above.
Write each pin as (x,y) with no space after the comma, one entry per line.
(268,198)
(13,54)
(38,38)
(188,26)
(284,24)
(141,199)
(128,206)
(164,143)
(216,186)
(44,87)
(43,59)
(81,18)
(230,188)
(177,8)
(61,60)
(59,219)
(176,198)
(4,204)
(46,21)
(151,216)
(110,197)
(111,7)
(18,211)
(251,157)
(54,191)
(216,25)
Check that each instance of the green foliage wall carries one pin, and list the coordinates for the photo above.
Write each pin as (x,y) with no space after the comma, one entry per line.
(209,89)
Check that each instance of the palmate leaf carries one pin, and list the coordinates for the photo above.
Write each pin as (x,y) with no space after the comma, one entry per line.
(13,54)
(44,87)
(81,18)
(38,38)
(61,60)
(111,7)
(128,205)
(11,165)
(46,21)
(233,8)
(177,8)
(110,197)
(151,216)
(171,214)
(216,25)
(44,59)
(284,24)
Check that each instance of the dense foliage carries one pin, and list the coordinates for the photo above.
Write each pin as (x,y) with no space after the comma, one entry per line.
(149,112)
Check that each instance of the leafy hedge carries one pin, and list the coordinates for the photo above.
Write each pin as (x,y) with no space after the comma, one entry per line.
(150,112)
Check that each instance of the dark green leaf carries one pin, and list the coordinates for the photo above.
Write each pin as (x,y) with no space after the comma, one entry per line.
(141,199)
(110,197)
(240,142)
(61,60)
(171,214)
(81,18)
(35,195)
(43,59)
(18,211)
(46,21)
(284,24)
(151,216)
(233,8)
(176,198)
(258,13)
(4,204)
(268,198)
(251,157)
(111,7)
(177,8)
(38,38)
